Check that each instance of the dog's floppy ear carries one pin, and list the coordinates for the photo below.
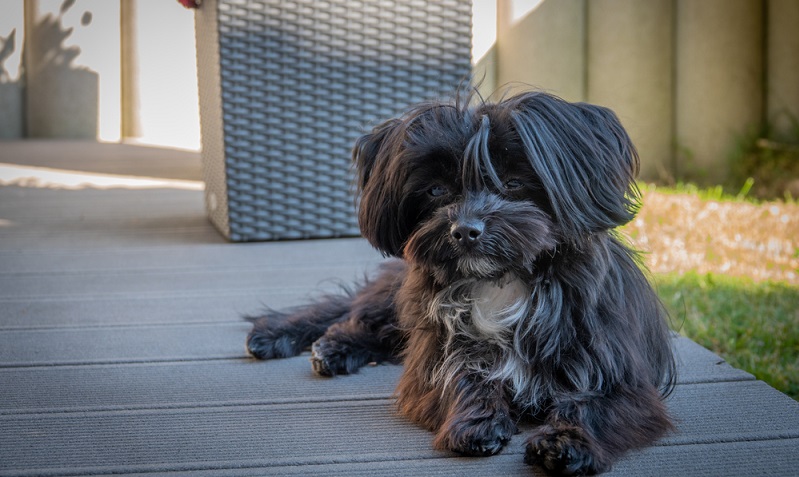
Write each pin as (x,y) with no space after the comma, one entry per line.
(584,158)
(377,213)
(366,149)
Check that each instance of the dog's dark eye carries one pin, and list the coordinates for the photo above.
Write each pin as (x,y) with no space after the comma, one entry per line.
(513,184)
(438,191)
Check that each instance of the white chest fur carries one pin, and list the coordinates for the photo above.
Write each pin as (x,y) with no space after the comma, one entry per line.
(480,309)
(497,308)
(481,318)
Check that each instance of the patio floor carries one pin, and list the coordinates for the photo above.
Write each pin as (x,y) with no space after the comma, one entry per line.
(122,346)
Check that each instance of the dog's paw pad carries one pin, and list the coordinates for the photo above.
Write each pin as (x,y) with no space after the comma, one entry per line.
(565,451)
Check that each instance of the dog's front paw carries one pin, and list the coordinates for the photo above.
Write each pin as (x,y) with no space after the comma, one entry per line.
(476,436)
(564,450)
(268,344)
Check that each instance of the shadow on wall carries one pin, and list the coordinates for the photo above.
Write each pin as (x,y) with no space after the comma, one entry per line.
(10,91)
(62,98)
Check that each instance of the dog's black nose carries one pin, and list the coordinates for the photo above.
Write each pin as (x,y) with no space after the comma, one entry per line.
(467,233)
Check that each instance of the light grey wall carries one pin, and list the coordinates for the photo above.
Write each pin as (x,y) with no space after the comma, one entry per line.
(72,75)
(544,49)
(79,57)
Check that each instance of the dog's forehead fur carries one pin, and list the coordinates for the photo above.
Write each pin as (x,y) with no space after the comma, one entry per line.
(471,144)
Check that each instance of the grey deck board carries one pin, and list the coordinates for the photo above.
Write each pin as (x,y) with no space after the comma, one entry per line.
(151,308)
(772,458)
(122,351)
(182,385)
(355,429)
(116,283)
(132,344)
(65,388)
(224,255)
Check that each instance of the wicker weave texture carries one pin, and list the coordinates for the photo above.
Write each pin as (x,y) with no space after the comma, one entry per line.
(300,80)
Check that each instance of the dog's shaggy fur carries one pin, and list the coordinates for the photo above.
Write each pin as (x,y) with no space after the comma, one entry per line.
(513,295)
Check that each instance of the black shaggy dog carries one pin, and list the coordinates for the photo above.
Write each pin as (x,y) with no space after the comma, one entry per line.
(513,296)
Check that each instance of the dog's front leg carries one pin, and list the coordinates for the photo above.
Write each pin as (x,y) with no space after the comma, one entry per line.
(479,421)
(585,434)
(369,334)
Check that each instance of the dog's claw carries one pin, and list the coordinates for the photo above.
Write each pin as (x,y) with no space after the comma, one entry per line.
(564,451)
(478,439)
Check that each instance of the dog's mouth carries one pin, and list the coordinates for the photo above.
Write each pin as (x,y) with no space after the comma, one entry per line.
(489,260)
(448,264)
(480,267)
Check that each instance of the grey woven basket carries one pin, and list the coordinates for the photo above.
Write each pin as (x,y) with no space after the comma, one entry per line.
(287,86)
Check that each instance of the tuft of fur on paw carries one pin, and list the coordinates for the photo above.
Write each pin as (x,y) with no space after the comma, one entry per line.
(476,437)
(564,450)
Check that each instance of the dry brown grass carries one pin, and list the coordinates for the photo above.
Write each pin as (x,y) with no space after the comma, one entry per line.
(683,232)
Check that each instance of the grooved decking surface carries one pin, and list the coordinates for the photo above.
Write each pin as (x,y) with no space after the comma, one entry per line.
(122,349)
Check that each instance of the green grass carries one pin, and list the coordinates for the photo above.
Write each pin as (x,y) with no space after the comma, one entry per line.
(752,325)
(716,193)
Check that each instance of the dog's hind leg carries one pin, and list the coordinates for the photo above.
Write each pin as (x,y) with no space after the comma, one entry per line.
(370,332)
(349,345)
(347,330)
(282,334)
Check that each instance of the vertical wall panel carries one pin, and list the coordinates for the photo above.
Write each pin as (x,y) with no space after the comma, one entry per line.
(484,45)
(782,89)
(161,69)
(130,89)
(719,81)
(630,59)
(542,45)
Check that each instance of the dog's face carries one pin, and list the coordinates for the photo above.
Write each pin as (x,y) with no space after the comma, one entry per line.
(485,190)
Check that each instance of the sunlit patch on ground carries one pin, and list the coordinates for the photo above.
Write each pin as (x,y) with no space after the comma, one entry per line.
(43,177)
(682,232)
